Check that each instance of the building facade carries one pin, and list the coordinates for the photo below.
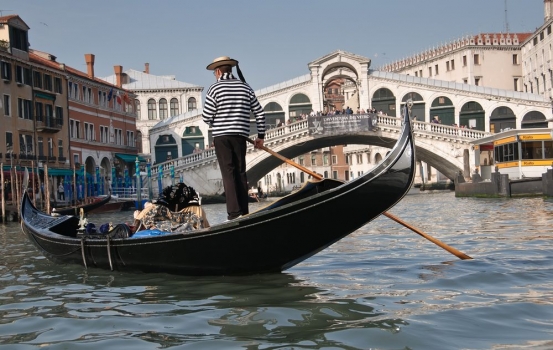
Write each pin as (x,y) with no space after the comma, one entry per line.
(158,98)
(34,105)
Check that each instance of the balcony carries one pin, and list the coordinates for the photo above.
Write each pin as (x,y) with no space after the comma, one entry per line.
(42,158)
(51,159)
(62,159)
(49,125)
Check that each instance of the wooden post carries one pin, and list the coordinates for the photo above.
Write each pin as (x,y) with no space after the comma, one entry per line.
(46,189)
(74,186)
(3,193)
(33,181)
(85,184)
(17,189)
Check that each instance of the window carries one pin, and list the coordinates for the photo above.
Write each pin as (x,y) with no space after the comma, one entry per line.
(535,41)
(19,74)
(447,66)
(9,139)
(57,86)
(18,38)
(7,105)
(436,69)
(325,159)
(26,144)
(152,109)
(6,71)
(49,114)
(48,82)
(37,79)
(300,160)
(75,158)
(59,115)
(40,146)
(465,81)
(24,108)
(162,109)
(174,107)
(429,71)
(27,76)
(507,152)
(50,147)
(137,108)
(476,58)
(335,174)
(39,111)
(334,159)
(359,159)
(89,132)
(452,64)
(515,59)
(60,148)
(130,139)
(477,81)
(191,104)
(313,159)
(420,73)
(464,61)
(104,134)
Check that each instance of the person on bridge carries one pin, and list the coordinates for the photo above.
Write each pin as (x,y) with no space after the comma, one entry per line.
(227,108)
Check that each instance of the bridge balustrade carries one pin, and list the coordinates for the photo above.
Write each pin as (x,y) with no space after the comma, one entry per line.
(303,126)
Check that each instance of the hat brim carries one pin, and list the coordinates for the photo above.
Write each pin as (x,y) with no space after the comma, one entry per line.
(215,65)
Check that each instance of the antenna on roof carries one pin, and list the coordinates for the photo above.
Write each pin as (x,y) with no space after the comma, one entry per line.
(2,12)
(506,19)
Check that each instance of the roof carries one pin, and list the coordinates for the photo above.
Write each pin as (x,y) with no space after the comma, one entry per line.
(283,85)
(6,19)
(144,81)
(40,57)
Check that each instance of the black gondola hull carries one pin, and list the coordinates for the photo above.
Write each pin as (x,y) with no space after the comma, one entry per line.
(270,240)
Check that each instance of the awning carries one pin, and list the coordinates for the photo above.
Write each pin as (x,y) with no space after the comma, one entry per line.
(129,158)
(59,172)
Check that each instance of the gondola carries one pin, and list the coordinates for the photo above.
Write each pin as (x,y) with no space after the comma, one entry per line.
(86,207)
(272,239)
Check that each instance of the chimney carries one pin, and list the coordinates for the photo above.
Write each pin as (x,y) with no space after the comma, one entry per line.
(118,75)
(548,10)
(147,68)
(89,58)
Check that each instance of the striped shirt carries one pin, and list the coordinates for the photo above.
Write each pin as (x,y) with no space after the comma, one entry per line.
(227,108)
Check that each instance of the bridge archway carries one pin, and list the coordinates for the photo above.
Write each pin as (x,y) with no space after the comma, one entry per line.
(443,107)
(192,139)
(502,118)
(533,119)
(419,106)
(299,104)
(274,114)
(166,148)
(384,100)
(472,115)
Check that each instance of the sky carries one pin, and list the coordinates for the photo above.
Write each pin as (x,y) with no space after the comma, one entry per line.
(274,40)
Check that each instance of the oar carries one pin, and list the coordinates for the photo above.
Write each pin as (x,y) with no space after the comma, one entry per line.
(442,245)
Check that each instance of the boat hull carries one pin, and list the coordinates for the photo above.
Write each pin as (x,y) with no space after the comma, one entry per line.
(271,240)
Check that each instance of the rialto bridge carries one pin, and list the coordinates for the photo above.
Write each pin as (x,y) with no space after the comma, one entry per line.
(184,140)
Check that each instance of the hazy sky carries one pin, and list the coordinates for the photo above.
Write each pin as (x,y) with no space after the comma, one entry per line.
(273,40)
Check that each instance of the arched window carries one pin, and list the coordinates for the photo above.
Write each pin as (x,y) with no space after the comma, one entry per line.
(192,104)
(162,109)
(174,107)
(152,113)
(137,108)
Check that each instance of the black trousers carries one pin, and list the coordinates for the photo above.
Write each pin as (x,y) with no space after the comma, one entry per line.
(231,155)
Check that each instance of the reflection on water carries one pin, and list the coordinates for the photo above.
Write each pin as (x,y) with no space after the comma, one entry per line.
(381,287)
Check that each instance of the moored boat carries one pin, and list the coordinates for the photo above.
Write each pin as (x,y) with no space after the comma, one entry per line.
(94,203)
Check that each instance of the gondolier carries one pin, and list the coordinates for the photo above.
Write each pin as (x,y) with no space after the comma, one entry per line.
(227,108)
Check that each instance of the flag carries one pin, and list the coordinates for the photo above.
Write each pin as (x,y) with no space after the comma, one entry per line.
(110,94)
(126,98)
(118,98)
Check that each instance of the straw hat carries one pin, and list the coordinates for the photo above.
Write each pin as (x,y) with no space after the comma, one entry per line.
(222,61)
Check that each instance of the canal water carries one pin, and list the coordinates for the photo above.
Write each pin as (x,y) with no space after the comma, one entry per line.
(382,287)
